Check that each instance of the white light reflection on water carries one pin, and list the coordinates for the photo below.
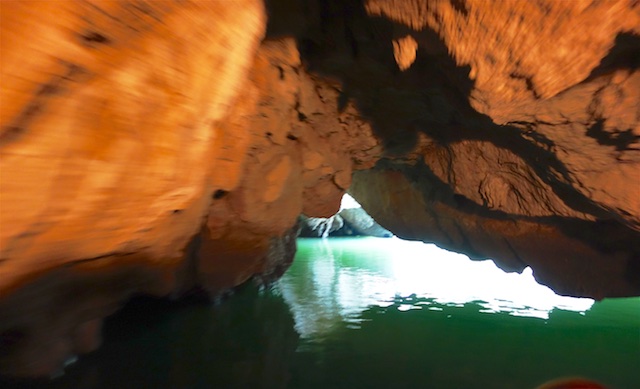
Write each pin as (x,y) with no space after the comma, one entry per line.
(453,279)
(335,280)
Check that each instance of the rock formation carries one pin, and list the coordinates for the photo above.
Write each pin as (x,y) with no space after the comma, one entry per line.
(351,220)
(347,222)
(155,147)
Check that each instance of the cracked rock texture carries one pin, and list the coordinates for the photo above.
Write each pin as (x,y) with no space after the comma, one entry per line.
(157,146)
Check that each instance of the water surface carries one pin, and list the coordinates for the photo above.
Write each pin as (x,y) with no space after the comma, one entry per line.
(370,313)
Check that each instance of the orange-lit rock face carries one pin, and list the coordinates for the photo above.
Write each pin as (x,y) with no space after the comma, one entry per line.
(111,121)
(111,112)
(301,155)
(152,147)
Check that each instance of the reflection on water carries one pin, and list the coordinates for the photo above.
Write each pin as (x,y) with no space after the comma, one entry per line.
(346,276)
(364,313)
(391,313)
(248,341)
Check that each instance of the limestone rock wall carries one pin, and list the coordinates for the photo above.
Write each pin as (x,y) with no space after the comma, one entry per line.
(111,122)
(511,129)
(300,159)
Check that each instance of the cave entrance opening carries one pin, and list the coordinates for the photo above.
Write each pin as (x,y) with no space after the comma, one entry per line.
(350,220)
(382,267)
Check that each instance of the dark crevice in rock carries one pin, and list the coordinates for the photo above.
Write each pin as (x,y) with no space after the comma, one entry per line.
(460,6)
(528,82)
(623,55)
(56,85)
(621,140)
(92,37)
(218,194)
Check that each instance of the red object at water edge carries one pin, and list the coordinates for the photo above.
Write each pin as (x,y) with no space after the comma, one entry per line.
(571,383)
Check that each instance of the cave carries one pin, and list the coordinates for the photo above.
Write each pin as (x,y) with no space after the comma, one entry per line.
(160,156)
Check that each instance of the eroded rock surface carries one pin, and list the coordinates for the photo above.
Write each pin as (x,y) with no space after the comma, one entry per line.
(156,147)
(514,133)
(111,119)
(347,222)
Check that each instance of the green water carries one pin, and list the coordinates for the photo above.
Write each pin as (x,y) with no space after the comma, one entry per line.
(370,313)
